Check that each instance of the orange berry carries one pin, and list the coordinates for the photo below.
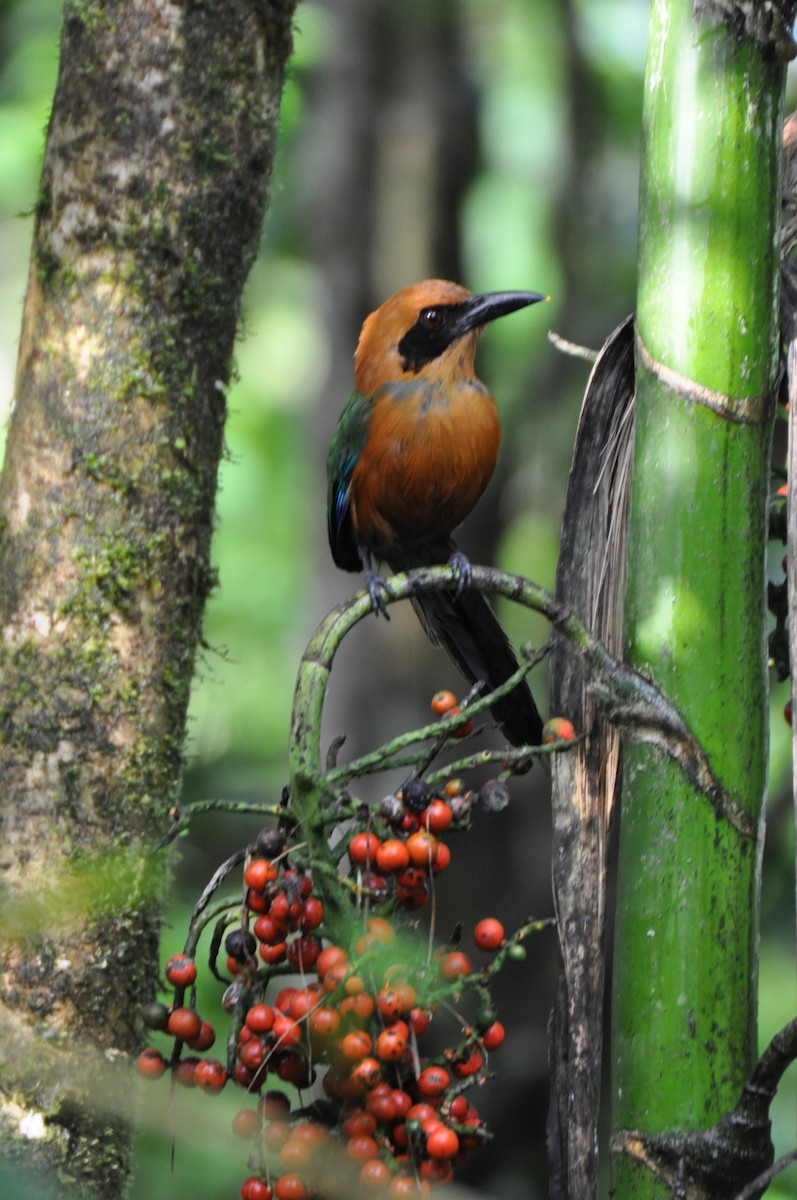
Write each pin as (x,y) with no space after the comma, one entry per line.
(363,848)
(392,1042)
(421,847)
(455,787)
(184,1023)
(489,934)
(392,856)
(558,729)
(437,817)
(455,964)
(356,1045)
(259,873)
(374,1173)
(462,730)
(443,702)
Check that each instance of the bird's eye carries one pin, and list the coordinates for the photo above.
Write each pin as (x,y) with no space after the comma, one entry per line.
(431,318)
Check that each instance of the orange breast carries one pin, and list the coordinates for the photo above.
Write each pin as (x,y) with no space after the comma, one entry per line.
(430,452)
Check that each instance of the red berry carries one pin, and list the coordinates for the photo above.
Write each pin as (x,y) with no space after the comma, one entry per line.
(287,1031)
(246,1123)
(358,1121)
(469,1063)
(379,932)
(493,1036)
(292,1067)
(366,1074)
(363,848)
(185,1071)
(259,874)
(252,1054)
(256,901)
(361,1147)
(290,1187)
(184,1023)
(421,846)
(210,1075)
(381,1103)
(181,970)
(433,1081)
(356,1045)
(558,729)
(442,858)
(255,1188)
(330,956)
(282,1000)
(455,964)
(272,953)
(295,1153)
(420,1020)
(283,908)
(334,976)
(437,1170)
(269,930)
(462,730)
(276,1134)
(437,817)
(392,1042)
(443,702)
(442,1142)
(391,1003)
(302,953)
(454,787)
(359,1007)
(404,1187)
(324,1021)
(303,1002)
(205,1038)
(489,934)
(374,1173)
(259,1018)
(421,1112)
(151,1063)
(312,914)
(392,856)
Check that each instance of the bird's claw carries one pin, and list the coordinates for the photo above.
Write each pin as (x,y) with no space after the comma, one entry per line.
(460,565)
(378,590)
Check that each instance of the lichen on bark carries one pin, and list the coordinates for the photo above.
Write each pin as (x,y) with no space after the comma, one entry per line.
(148,216)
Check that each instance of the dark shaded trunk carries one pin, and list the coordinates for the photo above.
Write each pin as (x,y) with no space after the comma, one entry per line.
(147,220)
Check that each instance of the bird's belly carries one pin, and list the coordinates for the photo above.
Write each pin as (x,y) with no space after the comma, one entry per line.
(427,462)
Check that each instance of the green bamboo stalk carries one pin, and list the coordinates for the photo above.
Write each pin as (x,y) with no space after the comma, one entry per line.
(685,977)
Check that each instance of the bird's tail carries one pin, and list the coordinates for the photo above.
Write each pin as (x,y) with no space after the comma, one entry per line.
(466,626)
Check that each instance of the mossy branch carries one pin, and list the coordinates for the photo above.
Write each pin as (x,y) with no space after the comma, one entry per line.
(625,696)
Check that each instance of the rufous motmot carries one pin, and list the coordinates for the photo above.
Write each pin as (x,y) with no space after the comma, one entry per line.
(413,451)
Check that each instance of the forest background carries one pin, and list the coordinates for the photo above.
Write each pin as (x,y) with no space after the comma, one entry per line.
(497,144)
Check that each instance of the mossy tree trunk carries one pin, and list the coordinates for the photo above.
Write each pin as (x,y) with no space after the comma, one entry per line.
(685,980)
(148,217)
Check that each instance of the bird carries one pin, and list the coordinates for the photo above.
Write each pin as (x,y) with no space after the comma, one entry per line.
(413,450)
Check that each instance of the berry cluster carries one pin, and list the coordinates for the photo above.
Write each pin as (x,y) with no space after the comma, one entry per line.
(352,1023)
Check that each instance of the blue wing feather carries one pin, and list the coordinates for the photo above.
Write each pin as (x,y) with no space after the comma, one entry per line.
(349,439)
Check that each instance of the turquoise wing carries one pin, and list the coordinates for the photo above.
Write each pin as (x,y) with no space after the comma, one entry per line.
(350,437)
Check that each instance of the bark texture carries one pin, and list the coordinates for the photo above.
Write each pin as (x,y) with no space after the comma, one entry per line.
(147,220)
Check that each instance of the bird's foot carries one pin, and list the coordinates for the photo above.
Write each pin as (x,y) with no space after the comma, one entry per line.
(378,590)
(460,565)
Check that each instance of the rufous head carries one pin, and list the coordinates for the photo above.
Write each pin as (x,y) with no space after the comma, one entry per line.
(428,330)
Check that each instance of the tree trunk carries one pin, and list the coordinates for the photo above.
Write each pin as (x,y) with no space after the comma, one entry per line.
(685,982)
(147,220)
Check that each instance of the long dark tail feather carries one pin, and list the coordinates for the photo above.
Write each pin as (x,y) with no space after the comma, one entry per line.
(469,630)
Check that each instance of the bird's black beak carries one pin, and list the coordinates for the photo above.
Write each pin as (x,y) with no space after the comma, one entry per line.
(478,310)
